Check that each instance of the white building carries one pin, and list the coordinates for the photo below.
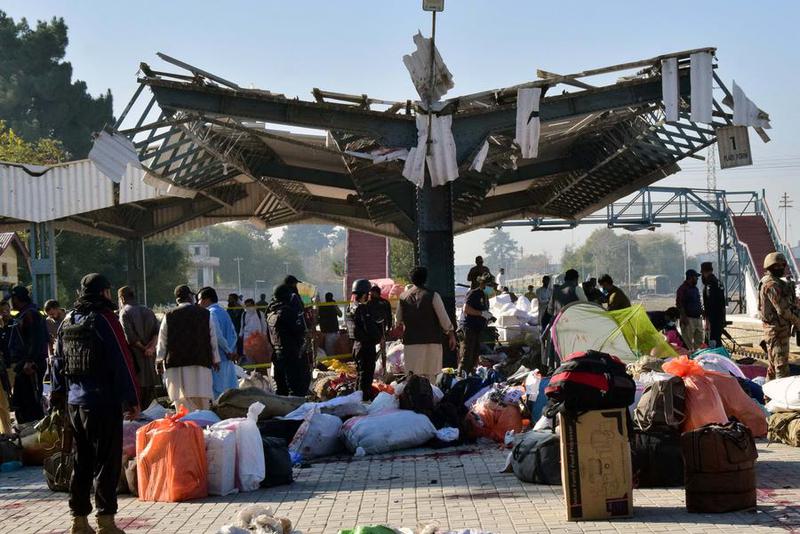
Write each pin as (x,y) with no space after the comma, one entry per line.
(202,266)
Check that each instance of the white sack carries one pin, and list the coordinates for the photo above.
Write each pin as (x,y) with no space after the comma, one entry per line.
(221,458)
(318,436)
(387,431)
(784,393)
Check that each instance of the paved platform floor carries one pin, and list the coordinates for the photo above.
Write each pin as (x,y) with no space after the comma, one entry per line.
(457,488)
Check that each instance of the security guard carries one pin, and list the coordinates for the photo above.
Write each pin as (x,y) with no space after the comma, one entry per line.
(776,303)
(365,332)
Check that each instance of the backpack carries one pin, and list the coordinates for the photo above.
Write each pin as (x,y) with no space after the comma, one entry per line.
(83,347)
(536,458)
(589,380)
(662,407)
(417,395)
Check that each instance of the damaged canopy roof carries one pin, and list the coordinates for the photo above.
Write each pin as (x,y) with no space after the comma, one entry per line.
(228,145)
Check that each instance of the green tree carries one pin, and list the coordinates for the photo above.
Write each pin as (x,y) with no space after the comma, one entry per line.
(78,254)
(606,252)
(500,250)
(663,254)
(308,239)
(260,259)
(15,149)
(38,98)
(401,259)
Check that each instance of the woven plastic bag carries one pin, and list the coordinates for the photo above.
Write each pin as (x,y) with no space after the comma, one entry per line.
(171,460)
(257,348)
(703,403)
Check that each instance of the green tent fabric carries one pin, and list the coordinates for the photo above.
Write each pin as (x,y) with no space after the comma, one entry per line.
(372,529)
(640,333)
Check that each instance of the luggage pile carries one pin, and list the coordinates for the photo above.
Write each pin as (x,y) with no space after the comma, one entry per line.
(684,422)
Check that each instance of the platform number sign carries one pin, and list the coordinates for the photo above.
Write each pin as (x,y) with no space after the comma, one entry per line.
(734,147)
(433,5)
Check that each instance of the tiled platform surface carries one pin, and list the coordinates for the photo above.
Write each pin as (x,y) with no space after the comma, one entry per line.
(456,488)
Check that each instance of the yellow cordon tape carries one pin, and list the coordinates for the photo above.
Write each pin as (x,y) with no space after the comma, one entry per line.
(313,304)
(256,366)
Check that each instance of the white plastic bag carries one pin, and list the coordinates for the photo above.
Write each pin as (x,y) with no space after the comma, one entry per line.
(388,431)
(784,393)
(318,436)
(250,469)
(221,458)
(154,411)
(395,360)
(346,406)
(382,402)
(532,382)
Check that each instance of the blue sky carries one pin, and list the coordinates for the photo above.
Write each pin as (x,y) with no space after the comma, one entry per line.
(356,46)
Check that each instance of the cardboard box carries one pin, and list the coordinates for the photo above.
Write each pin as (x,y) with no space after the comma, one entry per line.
(596,465)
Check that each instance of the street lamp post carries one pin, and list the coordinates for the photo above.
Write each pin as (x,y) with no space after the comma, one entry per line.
(238,261)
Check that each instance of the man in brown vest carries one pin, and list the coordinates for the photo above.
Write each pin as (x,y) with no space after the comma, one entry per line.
(425,325)
(187,351)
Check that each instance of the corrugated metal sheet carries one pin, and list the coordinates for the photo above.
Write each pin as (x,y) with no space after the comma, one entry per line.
(113,154)
(134,187)
(62,191)
(240,210)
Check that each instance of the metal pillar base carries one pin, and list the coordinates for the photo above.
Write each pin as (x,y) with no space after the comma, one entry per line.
(135,264)
(434,247)
(42,247)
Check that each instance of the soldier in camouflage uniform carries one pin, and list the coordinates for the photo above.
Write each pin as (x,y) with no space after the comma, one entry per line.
(776,303)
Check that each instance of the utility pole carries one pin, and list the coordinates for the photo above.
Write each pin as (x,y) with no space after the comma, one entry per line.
(629,265)
(238,261)
(711,185)
(684,230)
(785,204)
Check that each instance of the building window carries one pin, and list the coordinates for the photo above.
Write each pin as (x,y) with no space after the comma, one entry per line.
(196,251)
(200,278)
(5,270)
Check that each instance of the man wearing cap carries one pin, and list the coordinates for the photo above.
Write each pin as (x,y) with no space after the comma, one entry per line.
(687,300)
(224,378)
(381,311)
(27,351)
(476,315)
(93,368)
(286,333)
(714,305)
(187,351)
(777,305)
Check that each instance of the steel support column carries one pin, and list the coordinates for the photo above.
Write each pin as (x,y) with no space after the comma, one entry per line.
(42,247)
(135,275)
(434,247)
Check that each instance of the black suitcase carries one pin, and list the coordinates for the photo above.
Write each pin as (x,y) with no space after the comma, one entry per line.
(657,460)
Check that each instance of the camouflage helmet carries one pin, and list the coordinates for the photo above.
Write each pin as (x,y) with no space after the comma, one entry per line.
(774,258)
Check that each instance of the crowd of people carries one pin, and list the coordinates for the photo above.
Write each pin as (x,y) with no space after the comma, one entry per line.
(107,360)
